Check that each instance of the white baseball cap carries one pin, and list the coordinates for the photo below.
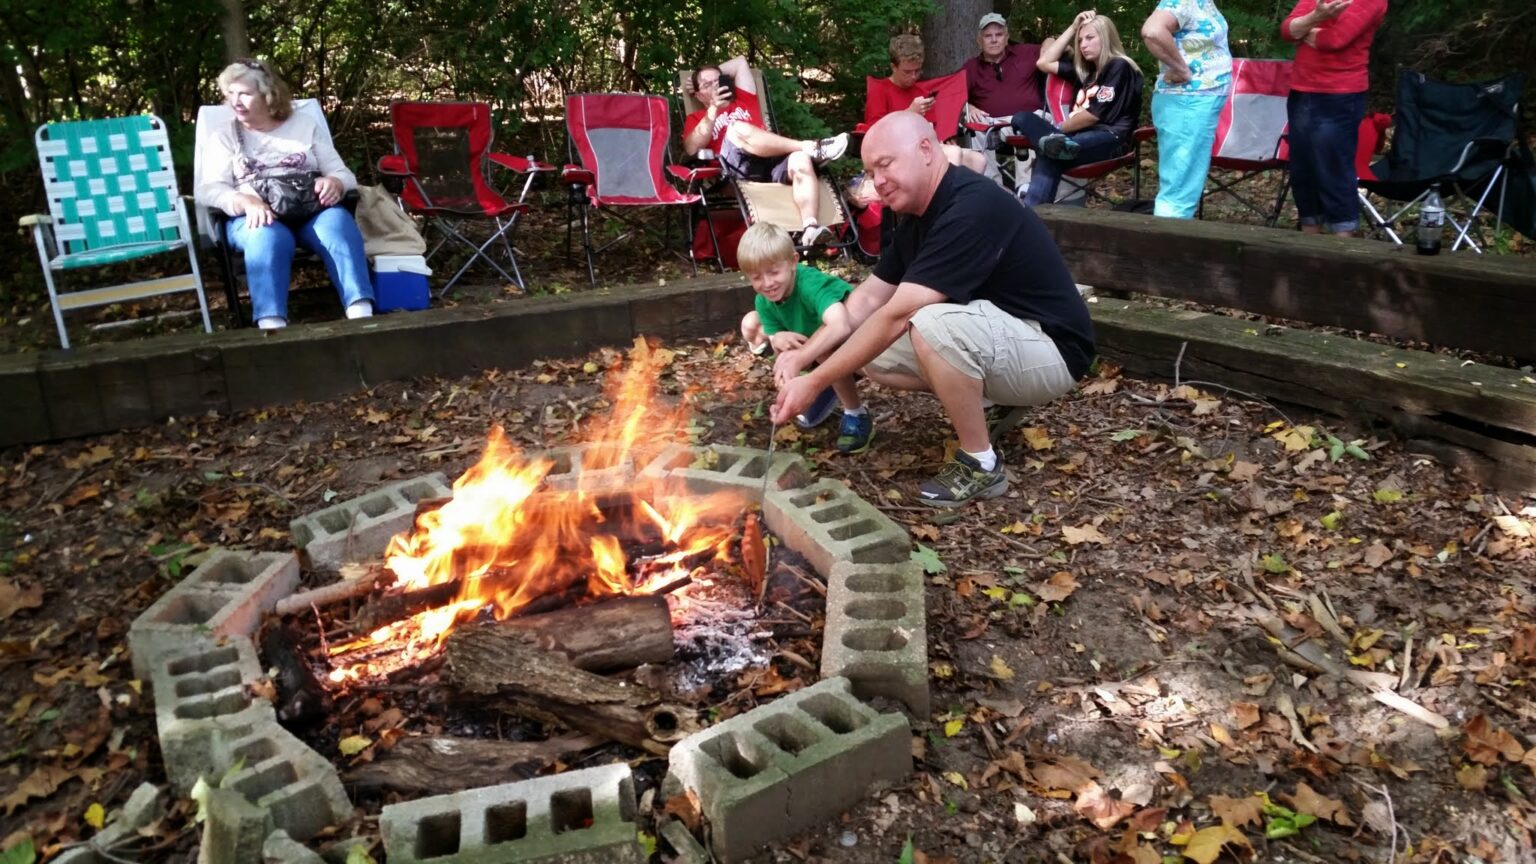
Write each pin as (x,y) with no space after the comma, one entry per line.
(992,18)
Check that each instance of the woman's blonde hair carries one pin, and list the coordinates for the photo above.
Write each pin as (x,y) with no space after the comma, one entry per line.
(906,46)
(271,87)
(762,246)
(1110,47)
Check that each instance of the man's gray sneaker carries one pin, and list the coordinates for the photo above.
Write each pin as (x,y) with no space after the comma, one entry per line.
(828,149)
(963,480)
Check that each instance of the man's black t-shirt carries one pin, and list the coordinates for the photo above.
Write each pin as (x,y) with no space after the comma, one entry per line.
(1113,96)
(977,242)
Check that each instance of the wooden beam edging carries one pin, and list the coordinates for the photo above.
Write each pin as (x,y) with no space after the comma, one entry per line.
(1482,303)
(95,389)
(1479,418)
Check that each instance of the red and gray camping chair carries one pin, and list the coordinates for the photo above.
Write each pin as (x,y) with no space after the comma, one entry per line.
(1082,182)
(620,141)
(1250,135)
(443,164)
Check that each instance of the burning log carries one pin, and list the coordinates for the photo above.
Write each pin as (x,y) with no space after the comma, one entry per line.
(301,700)
(621,633)
(437,766)
(528,682)
(335,592)
(393,607)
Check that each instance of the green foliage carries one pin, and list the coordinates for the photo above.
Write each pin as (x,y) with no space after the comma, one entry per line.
(21,853)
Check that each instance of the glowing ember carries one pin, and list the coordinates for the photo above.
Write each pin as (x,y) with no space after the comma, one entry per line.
(507,546)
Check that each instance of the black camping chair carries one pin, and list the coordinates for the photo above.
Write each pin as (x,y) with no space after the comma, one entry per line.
(1458,139)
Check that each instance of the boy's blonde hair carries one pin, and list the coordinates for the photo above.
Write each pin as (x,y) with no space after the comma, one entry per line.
(764,245)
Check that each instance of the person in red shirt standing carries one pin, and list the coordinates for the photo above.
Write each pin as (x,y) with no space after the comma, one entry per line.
(1327,102)
(731,123)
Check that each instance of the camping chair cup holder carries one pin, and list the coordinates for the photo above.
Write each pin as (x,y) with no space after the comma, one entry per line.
(112,199)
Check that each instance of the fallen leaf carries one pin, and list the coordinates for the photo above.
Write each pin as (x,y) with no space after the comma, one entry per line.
(1246,713)
(1057,588)
(953,727)
(1238,812)
(39,784)
(1310,801)
(1242,471)
(1474,777)
(957,779)
(1376,555)
(1295,440)
(1205,845)
(94,456)
(1101,808)
(353,745)
(13,599)
(1036,438)
(1206,406)
(95,815)
(999,669)
(1085,533)
(1487,743)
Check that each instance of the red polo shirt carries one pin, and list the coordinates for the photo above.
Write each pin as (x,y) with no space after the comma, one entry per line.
(1339,61)
(1020,87)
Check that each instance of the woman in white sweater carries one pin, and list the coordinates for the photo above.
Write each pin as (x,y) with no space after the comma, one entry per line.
(267,139)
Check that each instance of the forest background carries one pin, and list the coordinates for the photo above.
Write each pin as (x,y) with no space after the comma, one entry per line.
(100,58)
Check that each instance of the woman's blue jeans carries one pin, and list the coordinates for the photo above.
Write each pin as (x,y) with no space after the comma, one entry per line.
(1324,131)
(331,234)
(1094,144)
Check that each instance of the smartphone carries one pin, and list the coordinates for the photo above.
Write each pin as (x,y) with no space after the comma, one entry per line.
(728,82)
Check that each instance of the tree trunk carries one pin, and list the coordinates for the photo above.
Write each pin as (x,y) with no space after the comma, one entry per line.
(236,43)
(949,34)
(615,634)
(437,766)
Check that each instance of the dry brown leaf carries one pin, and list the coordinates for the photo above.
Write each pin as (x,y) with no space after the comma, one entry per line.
(1037,439)
(13,598)
(94,456)
(1242,471)
(1064,773)
(81,493)
(1486,743)
(1206,406)
(1057,588)
(39,784)
(1099,807)
(1310,801)
(1522,650)
(1238,812)
(1085,533)
(1474,777)
(1376,555)
(1246,714)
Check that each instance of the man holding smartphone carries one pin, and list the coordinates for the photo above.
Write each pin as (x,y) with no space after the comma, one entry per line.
(731,124)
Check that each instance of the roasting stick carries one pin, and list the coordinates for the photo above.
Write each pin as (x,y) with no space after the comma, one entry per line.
(773,438)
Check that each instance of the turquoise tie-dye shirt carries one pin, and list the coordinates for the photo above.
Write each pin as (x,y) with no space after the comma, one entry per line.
(1202,40)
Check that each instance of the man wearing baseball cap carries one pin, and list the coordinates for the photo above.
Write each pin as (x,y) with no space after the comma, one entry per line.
(1002,80)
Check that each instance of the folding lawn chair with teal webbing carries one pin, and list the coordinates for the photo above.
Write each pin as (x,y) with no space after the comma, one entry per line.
(112,198)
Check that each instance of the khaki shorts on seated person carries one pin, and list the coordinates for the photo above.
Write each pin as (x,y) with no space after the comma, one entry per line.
(1017,363)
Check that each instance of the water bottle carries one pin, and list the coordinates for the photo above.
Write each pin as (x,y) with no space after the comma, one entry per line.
(1431,220)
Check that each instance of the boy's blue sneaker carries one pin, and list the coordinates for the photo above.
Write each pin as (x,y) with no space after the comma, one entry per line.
(819,411)
(857,431)
(1058,146)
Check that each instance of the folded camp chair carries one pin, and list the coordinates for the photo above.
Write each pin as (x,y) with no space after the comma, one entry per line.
(211,222)
(773,203)
(112,198)
(1459,139)
(443,161)
(1250,135)
(620,141)
(1081,183)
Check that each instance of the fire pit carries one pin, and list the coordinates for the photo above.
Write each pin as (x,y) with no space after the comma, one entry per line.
(521,584)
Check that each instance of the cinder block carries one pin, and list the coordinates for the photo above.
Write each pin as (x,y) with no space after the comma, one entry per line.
(686,849)
(579,817)
(144,806)
(827,523)
(279,848)
(789,765)
(225,596)
(719,468)
(282,775)
(202,701)
(233,829)
(589,467)
(877,634)
(360,529)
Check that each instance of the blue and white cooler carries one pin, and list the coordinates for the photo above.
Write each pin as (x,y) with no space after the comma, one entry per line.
(400,282)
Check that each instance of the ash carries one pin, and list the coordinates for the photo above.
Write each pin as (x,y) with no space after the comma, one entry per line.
(716,630)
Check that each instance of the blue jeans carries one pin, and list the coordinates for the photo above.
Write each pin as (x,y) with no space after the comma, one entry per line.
(1186,129)
(1323,133)
(1094,144)
(331,234)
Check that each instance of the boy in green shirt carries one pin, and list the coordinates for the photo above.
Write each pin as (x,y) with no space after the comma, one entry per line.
(800,315)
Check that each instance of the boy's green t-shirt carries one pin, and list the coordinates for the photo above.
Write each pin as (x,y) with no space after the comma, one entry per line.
(801,311)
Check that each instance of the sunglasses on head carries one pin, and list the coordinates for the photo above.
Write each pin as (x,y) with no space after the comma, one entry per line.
(251,64)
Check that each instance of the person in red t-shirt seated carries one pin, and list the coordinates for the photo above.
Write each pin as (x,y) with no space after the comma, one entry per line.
(1003,79)
(731,125)
(901,92)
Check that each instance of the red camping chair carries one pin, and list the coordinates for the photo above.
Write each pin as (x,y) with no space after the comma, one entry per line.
(881,97)
(620,140)
(1250,136)
(1086,178)
(442,161)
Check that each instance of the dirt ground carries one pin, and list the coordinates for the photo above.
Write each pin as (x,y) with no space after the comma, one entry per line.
(1118,646)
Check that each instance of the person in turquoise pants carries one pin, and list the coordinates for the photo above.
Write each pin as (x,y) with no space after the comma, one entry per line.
(1189,40)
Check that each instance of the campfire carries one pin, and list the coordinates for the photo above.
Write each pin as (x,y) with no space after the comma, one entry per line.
(534,578)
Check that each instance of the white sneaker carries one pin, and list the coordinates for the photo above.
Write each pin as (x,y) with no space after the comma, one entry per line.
(271,322)
(360,309)
(814,234)
(828,149)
